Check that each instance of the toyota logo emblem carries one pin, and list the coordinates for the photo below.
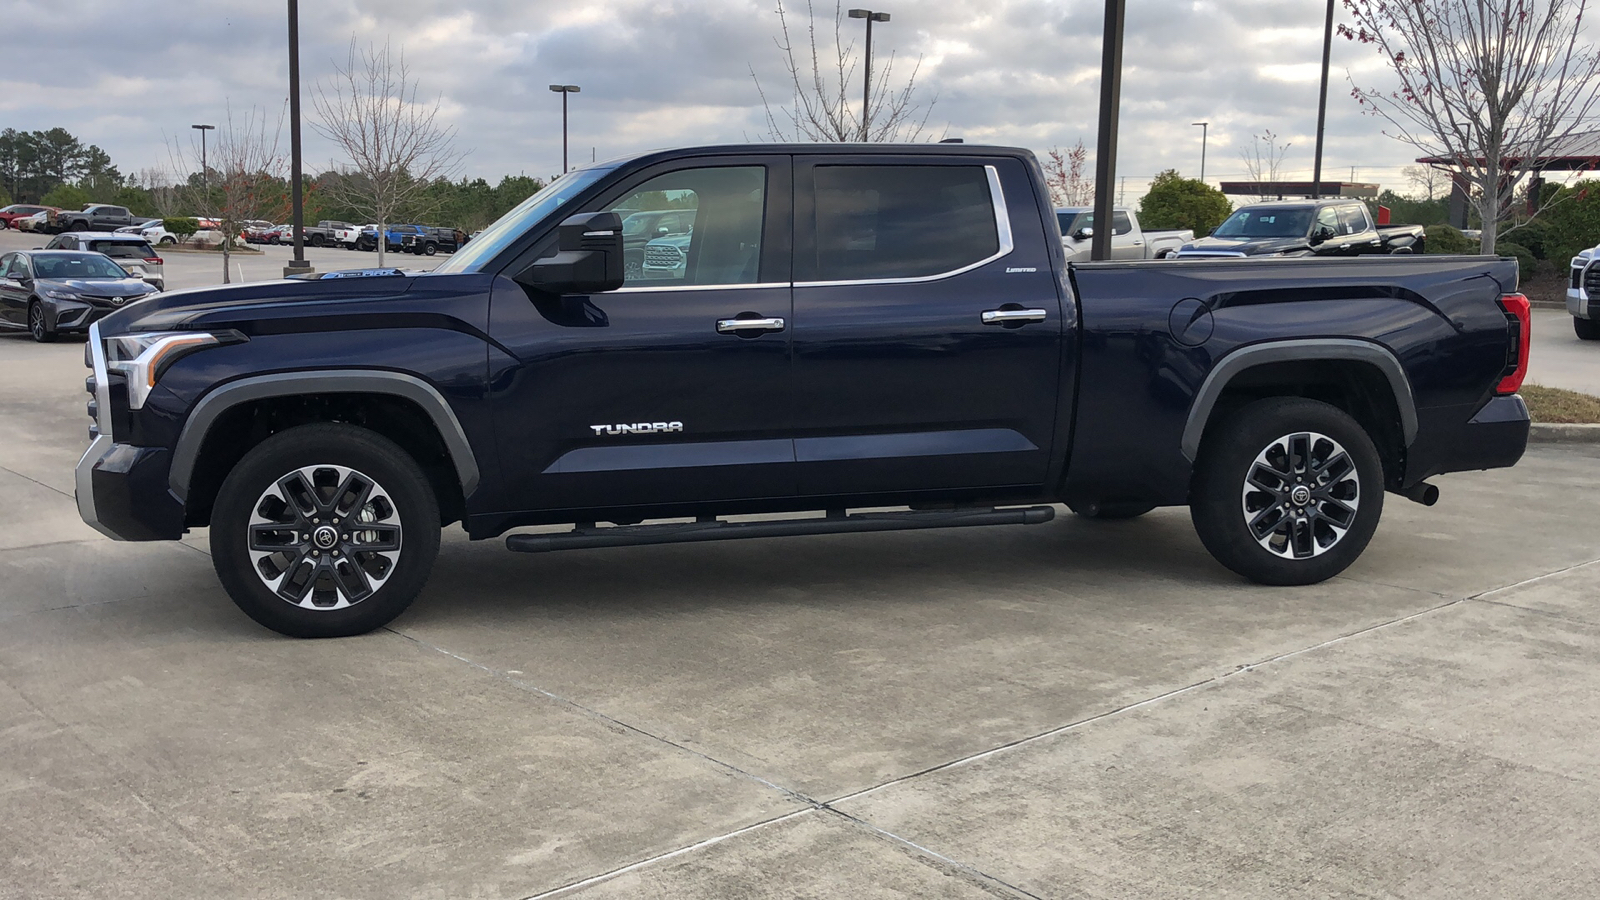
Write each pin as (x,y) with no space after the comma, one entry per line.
(118,301)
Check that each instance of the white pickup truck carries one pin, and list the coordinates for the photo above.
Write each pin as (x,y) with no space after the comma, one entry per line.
(1128,240)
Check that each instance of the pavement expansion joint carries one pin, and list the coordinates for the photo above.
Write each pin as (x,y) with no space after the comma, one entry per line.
(38,482)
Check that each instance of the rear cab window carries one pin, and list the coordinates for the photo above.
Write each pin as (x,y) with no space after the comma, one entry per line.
(887,221)
(123,249)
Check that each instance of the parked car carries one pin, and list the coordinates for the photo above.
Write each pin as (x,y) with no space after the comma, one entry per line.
(130,251)
(37,223)
(256,231)
(154,232)
(54,292)
(395,236)
(1128,240)
(915,338)
(430,240)
(15,211)
(1327,227)
(1583,294)
(665,257)
(350,235)
(644,226)
(94,217)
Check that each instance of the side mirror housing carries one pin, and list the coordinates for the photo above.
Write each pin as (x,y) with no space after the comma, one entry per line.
(588,258)
(1320,234)
(1083,234)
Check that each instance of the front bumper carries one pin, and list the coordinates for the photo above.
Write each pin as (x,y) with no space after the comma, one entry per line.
(123,494)
(1580,303)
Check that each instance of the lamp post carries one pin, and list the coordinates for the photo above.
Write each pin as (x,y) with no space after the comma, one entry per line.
(1205,131)
(1105,154)
(297,210)
(866,69)
(1322,104)
(564,90)
(205,170)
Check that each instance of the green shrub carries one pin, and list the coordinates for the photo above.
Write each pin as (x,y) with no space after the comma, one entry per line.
(1525,261)
(66,196)
(1178,202)
(1571,222)
(181,226)
(1448,239)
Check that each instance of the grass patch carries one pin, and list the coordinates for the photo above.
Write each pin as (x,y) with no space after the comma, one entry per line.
(1561,407)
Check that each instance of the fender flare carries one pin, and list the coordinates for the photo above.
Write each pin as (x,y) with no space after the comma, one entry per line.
(1344,349)
(325,381)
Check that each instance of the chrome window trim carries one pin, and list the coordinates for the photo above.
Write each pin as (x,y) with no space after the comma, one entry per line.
(701,287)
(1002,221)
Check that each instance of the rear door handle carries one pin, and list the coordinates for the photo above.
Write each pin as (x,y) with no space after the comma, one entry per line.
(1012,316)
(741,326)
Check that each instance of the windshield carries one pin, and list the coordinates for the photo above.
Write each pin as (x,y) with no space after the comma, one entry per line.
(123,249)
(1266,223)
(64,266)
(514,224)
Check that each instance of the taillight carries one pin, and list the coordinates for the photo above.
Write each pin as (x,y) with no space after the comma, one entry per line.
(1519,328)
(153,260)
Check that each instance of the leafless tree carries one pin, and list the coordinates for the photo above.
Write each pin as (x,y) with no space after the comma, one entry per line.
(245,181)
(165,194)
(1492,85)
(1066,174)
(395,145)
(1427,180)
(824,84)
(1263,157)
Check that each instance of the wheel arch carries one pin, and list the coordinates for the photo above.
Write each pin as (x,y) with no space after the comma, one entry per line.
(402,407)
(1362,378)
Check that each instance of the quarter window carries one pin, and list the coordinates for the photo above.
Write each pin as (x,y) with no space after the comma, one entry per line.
(694,226)
(888,222)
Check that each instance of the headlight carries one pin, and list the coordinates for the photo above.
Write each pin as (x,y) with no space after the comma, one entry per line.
(60,295)
(141,358)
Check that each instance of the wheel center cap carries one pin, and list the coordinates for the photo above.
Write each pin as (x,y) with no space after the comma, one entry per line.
(326,537)
(1300,496)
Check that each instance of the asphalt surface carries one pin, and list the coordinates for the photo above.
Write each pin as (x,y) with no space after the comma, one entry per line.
(1067,710)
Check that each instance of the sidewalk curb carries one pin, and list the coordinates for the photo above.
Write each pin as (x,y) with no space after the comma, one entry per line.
(1545,433)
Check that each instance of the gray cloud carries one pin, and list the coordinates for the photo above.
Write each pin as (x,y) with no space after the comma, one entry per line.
(663,72)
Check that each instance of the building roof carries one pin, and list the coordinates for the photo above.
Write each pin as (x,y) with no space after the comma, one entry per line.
(1282,189)
(1575,153)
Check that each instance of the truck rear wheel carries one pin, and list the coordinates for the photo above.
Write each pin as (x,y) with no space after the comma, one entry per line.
(1287,491)
(1586,329)
(324,531)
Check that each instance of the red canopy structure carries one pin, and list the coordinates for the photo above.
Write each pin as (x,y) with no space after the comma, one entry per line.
(1577,153)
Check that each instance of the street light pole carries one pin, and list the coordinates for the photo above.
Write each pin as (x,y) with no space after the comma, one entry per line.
(1205,131)
(1105,162)
(297,210)
(1322,104)
(866,68)
(564,90)
(205,170)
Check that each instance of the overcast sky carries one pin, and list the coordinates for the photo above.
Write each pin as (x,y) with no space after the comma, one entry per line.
(659,73)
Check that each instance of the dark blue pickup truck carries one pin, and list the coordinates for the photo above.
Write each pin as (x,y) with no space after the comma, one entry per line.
(886,336)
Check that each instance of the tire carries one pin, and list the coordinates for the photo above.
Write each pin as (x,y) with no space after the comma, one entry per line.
(1234,488)
(315,462)
(166,241)
(317,240)
(1586,329)
(1108,512)
(430,249)
(37,326)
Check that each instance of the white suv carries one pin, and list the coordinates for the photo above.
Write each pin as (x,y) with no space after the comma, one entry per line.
(130,251)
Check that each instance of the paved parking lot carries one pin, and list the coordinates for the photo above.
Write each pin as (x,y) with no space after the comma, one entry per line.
(1067,710)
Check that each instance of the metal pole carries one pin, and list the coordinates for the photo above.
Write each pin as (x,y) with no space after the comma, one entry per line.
(866,84)
(564,132)
(1106,146)
(1205,133)
(1322,104)
(297,211)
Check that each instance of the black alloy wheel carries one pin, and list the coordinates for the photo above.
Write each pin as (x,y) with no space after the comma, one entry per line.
(37,326)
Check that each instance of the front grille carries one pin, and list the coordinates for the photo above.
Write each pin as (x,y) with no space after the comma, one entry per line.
(1591,279)
(663,257)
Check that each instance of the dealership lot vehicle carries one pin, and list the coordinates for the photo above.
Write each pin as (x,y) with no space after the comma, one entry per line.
(1129,240)
(94,217)
(37,222)
(1327,227)
(131,252)
(15,211)
(324,480)
(49,293)
(1583,295)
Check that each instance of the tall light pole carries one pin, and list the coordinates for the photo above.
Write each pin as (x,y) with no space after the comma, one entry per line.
(205,170)
(1322,104)
(1205,131)
(297,210)
(866,69)
(564,90)
(1105,153)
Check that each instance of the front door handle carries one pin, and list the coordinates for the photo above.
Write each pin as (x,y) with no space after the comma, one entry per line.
(1012,316)
(748,325)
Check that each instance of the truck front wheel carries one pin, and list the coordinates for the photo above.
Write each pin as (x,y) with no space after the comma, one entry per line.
(324,531)
(1287,491)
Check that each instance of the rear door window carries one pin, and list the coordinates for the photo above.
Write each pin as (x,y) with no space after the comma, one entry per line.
(1121,223)
(1352,219)
(881,222)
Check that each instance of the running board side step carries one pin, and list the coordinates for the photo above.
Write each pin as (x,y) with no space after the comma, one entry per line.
(836,522)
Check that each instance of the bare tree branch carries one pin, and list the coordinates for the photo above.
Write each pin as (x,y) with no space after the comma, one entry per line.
(820,108)
(1262,160)
(395,146)
(1489,85)
(245,177)
(1065,174)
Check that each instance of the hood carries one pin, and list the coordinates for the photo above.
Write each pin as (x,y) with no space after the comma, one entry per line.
(99,287)
(1249,246)
(230,304)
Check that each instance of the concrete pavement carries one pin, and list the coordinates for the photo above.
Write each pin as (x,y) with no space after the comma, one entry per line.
(1070,710)
(1559,358)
